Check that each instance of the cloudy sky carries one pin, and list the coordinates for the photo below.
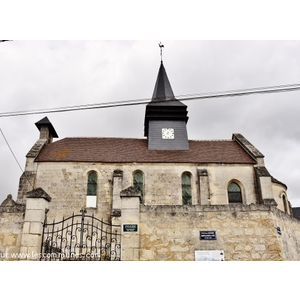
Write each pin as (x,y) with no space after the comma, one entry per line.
(43,74)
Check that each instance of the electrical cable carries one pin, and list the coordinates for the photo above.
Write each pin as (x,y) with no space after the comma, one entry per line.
(187,97)
(11,150)
(13,154)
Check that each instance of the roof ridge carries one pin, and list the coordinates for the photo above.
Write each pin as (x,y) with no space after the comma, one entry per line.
(103,137)
(217,140)
(143,139)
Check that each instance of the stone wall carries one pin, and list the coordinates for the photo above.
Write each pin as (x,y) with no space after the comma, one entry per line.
(171,232)
(289,239)
(67,184)
(167,229)
(11,226)
(245,233)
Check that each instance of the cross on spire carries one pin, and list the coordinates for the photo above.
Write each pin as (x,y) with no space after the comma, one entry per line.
(161,46)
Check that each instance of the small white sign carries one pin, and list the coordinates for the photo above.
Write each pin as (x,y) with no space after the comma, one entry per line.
(209,255)
(91,201)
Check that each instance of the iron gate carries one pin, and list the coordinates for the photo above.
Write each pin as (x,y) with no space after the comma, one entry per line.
(81,237)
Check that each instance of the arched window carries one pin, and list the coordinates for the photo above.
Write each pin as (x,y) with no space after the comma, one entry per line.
(234,193)
(186,186)
(92,184)
(138,182)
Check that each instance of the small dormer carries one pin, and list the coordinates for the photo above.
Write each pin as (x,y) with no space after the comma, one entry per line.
(47,131)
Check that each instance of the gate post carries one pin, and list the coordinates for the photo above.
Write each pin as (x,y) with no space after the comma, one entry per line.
(36,209)
(130,222)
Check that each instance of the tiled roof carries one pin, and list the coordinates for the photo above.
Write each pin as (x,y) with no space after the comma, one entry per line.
(127,150)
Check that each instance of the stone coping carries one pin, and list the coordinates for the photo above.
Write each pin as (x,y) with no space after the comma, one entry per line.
(207,208)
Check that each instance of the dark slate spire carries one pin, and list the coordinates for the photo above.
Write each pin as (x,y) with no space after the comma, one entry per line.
(162,90)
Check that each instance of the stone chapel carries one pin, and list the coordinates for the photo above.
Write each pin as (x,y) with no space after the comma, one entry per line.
(172,198)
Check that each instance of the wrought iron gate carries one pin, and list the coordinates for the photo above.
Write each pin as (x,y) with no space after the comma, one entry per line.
(81,237)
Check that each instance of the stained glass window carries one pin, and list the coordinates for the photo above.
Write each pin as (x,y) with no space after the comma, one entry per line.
(186,189)
(138,182)
(234,193)
(92,184)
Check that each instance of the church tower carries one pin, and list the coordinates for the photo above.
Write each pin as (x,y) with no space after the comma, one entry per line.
(165,117)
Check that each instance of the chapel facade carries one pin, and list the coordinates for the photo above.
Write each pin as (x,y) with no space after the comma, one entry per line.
(166,167)
(173,198)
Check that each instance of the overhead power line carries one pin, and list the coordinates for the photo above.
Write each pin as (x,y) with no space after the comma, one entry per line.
(232,93)
(13,154)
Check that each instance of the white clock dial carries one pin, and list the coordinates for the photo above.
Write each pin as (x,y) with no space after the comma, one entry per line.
(167,133)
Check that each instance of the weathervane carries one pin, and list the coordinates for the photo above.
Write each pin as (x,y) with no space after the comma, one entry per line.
(161,46)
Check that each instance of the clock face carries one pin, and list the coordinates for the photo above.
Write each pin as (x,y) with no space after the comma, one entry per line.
(167,133)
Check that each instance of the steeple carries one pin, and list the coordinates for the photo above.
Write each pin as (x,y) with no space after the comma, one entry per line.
(162,90)
(165,117)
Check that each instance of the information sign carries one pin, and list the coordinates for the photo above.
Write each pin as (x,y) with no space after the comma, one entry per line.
(208,235)
(130,227)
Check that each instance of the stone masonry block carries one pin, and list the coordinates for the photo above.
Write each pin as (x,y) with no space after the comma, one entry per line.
(130,202)
(260,247)
(266,187)
(127,254)
(9,240)
(30,240)
(36,228)
(37,204)
(129,216)
(12,252)
(130,239)
(34,215)
(26,227)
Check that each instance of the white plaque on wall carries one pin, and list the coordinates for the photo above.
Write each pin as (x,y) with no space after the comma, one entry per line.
(91,201)
(209,255)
